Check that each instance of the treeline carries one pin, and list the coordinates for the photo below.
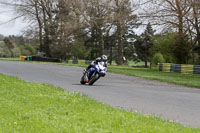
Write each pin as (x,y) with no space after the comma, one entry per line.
(179,41)
(15,46)
(85,29)
(82,29)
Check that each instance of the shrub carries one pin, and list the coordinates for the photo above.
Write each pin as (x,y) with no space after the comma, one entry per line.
(4,50)
(27,49)
(165,44)
(158,58)
(9,49)
(58,51)
(79,50)
(15,52)
(9,43)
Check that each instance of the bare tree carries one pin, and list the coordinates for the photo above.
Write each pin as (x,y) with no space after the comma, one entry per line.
(125,20)
(59,22)
(194,24)
(173,16)
(96,17)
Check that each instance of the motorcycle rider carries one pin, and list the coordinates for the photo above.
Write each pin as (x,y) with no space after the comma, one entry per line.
(103,58)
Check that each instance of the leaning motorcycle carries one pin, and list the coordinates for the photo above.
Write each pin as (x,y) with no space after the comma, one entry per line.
(94,73)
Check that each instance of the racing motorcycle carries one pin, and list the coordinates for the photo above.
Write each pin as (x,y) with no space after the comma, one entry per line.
(94,73)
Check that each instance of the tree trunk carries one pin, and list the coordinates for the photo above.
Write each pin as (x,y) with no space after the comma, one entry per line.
(120,46)
(197,30)
(145,60)
(146,64)
(101,42)
(111,54)
(40,25)
(182,56)
(46,29)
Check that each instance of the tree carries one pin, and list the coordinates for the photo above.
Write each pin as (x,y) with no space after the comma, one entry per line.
(144,44)
(158,58)
(4,50)
(97,19)
(194,30)
(27,49)
(164,44)
(78,50)
(8,48)
(168,45)
(9,42)
(124,20)
(44,16)
(108,25)
(58,24)
(172,15)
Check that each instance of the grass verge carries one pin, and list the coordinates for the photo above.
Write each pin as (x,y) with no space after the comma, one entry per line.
(27,107)
(189,80)
(10,59)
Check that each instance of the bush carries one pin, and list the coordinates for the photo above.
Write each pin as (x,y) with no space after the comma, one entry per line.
(79,50)
(9,49)
(58,51)
(158,58)
(165,44)
(15,52)
(27,49)
(4,50)
(9,43)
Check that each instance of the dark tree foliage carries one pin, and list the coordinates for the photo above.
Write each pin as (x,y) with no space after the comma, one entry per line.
(182,49)
(8,48)
(103,25)
(143,45)
(9,42)
(19,40)
(125,21)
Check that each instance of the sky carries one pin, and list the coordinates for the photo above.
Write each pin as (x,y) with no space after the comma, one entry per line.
(12,28)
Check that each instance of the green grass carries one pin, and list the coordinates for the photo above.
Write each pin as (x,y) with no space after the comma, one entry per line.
(27,107)
(10,59)
(175,78)
(133,63)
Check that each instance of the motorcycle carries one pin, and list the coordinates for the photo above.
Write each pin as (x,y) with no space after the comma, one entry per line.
(94,73)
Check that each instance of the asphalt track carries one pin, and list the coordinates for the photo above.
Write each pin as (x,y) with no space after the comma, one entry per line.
(171,102)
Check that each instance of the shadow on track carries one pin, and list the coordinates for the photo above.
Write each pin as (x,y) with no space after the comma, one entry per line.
(88,85)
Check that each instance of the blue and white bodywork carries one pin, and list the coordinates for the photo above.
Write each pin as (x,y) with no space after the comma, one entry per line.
(94,73)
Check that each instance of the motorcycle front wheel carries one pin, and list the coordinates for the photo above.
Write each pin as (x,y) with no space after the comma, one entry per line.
(94,79)
(82,80)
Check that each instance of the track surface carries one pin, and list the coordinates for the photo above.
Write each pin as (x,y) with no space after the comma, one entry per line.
(171,102)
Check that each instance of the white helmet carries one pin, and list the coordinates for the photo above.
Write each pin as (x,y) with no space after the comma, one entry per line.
(104,58)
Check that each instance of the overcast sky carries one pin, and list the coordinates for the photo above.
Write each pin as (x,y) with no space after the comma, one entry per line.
(11,28)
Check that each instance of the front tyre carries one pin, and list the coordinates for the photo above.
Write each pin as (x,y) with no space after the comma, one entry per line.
(82,80)
(94,79)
